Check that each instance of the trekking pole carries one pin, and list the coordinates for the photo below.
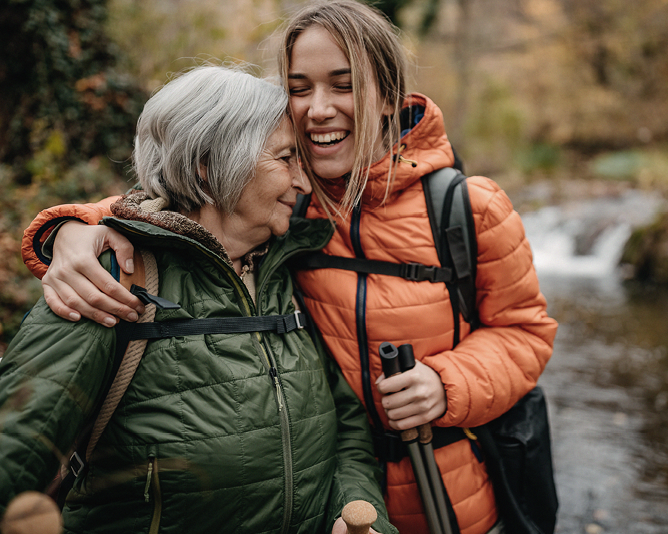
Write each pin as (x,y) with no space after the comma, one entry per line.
(407,362)
(389,356)
(359,516)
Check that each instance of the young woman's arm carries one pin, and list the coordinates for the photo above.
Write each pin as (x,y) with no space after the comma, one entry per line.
(497,364)
(74,283)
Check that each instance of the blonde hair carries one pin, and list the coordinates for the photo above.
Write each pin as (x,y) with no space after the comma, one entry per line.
(377,59)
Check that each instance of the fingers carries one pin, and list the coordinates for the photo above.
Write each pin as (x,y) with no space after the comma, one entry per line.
(413,398)
(123,249)
(72,293)
(100,290)
(411,414)
(339,527)
(57,305)
(77,285)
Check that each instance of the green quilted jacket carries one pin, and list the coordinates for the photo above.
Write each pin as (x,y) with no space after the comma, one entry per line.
(255,433)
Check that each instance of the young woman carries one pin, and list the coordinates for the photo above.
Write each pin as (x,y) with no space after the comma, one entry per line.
(366,145)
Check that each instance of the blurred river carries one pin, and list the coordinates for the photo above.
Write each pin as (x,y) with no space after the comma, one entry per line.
(607,381)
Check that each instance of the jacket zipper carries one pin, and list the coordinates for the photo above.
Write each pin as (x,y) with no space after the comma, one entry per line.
(360,320)
(152,487)
(286,439)
(280,399)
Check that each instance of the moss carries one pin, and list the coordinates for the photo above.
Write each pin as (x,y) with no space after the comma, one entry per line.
(647,252)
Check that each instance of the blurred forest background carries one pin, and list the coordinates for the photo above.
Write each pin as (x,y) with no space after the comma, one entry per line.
(571,91)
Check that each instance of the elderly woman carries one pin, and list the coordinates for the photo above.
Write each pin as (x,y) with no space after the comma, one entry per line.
(237,432)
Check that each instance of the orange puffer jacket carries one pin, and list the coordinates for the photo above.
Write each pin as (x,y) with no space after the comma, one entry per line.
(492,367)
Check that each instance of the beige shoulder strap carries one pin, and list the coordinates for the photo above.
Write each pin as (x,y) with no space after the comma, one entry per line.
(145,275)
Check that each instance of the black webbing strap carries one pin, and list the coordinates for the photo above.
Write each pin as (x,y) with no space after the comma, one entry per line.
(389,447)
(279,324)
(415,272)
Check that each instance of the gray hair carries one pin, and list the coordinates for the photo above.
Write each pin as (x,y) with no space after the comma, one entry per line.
(217,116)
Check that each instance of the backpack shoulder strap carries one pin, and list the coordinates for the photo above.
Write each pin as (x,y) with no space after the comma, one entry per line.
(145,275)
(453,228)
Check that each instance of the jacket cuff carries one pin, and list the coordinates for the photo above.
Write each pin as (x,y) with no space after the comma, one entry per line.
(47,220)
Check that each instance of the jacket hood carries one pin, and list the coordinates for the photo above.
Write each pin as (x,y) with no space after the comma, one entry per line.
(424,147)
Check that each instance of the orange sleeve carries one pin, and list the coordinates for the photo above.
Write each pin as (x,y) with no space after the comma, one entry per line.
(35,235)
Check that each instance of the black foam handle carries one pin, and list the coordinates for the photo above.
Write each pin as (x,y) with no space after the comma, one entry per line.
(406,357)
(389,358)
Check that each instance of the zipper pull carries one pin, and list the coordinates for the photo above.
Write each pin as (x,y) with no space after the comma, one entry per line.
(149,473)
(273,373)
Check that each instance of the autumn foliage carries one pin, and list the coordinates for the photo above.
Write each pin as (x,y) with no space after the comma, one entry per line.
(66,122)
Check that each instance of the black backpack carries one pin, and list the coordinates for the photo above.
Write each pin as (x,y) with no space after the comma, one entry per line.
(516,446)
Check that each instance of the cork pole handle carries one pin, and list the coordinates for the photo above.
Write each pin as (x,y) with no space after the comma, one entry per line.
(359,516)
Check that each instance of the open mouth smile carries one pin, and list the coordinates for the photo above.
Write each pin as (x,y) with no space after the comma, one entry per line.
(328,139)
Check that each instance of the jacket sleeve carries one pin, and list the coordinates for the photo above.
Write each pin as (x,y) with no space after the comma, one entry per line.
(35,235)
(357,474)
(51,378)
(497,364)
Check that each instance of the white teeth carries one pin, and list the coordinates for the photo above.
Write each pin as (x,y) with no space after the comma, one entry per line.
(328,137)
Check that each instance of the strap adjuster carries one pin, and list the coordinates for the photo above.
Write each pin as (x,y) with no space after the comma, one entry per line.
(416,272)
(288,323)
(298,321)
(76,464)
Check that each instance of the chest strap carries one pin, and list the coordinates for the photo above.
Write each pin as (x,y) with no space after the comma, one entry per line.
(415,272)
(280,324)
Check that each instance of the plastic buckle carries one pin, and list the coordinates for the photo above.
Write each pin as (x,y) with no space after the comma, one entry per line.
(412,271)
(76,464)
(298,321)
(429,273)
(416,272)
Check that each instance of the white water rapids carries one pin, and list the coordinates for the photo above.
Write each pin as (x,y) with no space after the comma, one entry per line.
(586,238)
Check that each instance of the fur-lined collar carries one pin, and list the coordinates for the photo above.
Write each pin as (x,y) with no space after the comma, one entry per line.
(139,207)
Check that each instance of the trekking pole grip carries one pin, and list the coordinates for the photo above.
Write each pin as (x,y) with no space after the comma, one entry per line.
(406,362)
(32,512)
(390,358)
(359,516)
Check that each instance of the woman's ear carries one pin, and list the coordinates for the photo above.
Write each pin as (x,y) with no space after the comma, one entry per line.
(201,171)
(387,109)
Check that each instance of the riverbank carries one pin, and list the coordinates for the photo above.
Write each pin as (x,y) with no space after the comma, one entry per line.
(607,391)
(607,381)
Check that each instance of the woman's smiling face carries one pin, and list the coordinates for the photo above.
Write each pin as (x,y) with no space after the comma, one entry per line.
(266,204)
(322,102)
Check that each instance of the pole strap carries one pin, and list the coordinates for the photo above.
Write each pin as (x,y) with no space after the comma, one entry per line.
(389,447)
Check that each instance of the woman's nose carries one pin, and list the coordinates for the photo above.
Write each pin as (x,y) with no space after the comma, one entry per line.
(299,179)
(321,107)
